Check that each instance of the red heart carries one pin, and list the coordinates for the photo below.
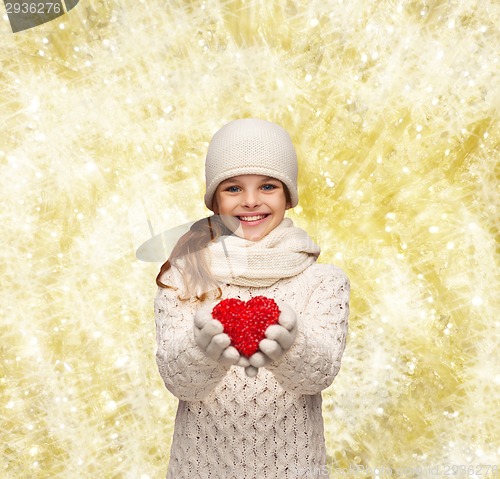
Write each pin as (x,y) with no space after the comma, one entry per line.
(246,323)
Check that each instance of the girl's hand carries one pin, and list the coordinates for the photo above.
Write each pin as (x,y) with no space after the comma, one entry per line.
(250,371)
(279,339)
(209,336)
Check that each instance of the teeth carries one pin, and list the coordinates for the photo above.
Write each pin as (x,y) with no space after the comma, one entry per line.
(252,218)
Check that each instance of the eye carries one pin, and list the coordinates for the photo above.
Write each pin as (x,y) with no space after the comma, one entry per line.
(269,187)
(232,189)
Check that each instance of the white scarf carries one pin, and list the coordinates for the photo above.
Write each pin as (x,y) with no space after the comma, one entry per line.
(284,252)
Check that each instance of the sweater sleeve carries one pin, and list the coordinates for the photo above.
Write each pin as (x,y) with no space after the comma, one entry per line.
(314,359)
(186,371)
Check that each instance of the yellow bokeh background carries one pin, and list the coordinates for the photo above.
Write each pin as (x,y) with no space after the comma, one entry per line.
(105,117)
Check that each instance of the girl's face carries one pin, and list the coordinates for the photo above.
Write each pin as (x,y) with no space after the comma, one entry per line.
(251,205)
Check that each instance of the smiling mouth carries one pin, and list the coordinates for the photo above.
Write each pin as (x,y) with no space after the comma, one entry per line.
(249,219)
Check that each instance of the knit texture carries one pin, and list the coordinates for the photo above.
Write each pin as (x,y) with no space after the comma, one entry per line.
(268,427)
(251,147)
(282,253)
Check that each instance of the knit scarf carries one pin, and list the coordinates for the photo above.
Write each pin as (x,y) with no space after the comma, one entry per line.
(284,252)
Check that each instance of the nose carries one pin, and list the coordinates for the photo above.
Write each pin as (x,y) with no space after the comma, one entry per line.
(251,199)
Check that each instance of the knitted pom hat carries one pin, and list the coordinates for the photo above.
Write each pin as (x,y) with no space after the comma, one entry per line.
(251,147)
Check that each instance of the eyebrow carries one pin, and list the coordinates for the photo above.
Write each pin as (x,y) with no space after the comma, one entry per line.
(264,180)
(270,178)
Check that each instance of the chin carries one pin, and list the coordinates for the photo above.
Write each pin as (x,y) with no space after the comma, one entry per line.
(255,237)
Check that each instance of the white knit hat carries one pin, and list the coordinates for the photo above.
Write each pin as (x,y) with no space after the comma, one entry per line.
(251,147)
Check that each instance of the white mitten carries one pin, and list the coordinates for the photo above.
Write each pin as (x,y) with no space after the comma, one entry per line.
(209,336)
(279,339)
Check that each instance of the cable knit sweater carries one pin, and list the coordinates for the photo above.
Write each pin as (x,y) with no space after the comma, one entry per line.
(231,426)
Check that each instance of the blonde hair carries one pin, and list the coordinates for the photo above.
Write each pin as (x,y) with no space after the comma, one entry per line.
(195,272)
(190,247)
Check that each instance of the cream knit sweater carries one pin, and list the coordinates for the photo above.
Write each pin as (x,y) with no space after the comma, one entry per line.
(231,426)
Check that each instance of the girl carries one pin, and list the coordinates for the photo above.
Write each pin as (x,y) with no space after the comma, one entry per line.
(243,413)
